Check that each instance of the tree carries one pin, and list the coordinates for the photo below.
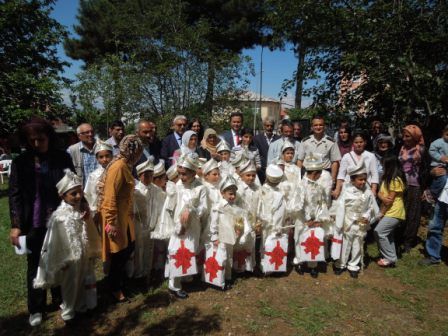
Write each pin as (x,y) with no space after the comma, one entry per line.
(164,36)
(29,67)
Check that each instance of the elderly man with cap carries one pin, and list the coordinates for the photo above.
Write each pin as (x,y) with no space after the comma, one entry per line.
(308,208)
(173,141)
(189,208)
(83,152)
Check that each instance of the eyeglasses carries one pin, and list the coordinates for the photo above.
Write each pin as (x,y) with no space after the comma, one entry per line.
(86,132)
(182,124)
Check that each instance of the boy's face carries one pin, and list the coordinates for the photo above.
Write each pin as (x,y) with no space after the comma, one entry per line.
(213,176)
(248,178)
(229,194)
(445,136)
(104,157)
(288,155)
(186,175)
(383,145)
(318,126)
(146,177)
(160,181)
(314,175)
(359,181)
(73,196)
(247,139)
(225,155)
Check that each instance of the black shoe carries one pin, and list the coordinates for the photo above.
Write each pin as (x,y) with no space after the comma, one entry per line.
(428,262)
(180,294)
(353,274)
(299,269)
(227,287)
(314,273)
(338,271)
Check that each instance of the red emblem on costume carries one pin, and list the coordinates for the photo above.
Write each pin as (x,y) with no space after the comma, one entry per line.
(312,245)
(183,257)
(276,255)
(211,267)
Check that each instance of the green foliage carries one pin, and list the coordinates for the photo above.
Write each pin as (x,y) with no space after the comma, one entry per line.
(29,66)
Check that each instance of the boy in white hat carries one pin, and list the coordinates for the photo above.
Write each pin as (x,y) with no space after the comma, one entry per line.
(187,210)
(309,208)
(210,179)
(271,206)
(164,199)
(103,153)
(293,173)
(228,224)
(69,244)
(225,167)
(355,208)
(144,193)
(249,197)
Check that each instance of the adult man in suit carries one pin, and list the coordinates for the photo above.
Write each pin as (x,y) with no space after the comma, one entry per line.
(233,136)
(146,131)
(262,142)
(173,141)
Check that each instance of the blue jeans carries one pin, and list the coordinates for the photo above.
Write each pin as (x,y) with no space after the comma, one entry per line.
(435,231)
(437,185)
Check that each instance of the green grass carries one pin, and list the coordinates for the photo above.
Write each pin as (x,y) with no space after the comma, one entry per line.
(12,266)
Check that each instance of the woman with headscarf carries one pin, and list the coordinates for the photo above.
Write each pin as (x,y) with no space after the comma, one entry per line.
(413,159)
(115,199)
(384,146)
(32,199)
(344,140)
(189,145)
(209,143)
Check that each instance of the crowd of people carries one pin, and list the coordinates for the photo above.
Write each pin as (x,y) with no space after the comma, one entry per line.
(202,203)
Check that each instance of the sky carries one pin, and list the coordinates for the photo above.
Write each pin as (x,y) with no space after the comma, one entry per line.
(277,65)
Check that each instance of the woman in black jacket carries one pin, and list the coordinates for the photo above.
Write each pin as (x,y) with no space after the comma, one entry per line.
(33,197)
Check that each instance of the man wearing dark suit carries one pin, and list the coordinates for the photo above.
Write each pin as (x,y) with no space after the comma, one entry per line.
(233,136)
(262,142)
(173,140)
(146,131)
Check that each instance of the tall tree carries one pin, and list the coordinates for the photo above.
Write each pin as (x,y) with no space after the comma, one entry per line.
(29,67)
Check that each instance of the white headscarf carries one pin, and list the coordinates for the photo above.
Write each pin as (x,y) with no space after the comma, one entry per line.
(185,140)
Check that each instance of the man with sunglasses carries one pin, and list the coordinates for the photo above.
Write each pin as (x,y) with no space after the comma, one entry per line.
(83,152)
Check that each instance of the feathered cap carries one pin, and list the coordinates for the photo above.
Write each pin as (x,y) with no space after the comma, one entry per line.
(171,173)
(148,165)
(159,169)
(222,146)
(312,163)
(209,166)
(189,161)
(288,145)
(101,146)
(228,182)
(247,167)
(69,181)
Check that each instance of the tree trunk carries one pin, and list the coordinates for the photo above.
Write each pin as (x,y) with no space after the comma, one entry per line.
(208,101)
(300,52)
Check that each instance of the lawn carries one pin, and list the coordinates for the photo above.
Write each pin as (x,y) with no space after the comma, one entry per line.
(407,300)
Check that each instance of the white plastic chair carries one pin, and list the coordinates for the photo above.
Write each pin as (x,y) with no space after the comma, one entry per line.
(5,169)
